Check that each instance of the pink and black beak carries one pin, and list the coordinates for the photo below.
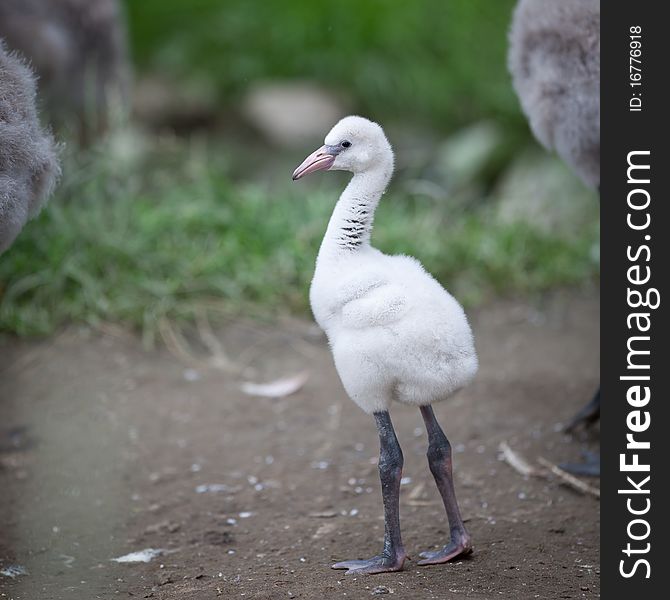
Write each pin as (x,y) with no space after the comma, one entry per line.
(319,160)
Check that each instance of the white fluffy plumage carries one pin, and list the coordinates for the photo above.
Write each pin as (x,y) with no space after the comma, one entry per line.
(554,59)
(395,332)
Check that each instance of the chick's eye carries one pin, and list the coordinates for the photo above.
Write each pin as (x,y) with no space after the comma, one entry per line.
(346,144)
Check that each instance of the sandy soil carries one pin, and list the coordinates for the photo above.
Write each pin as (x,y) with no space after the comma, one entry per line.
(104,447)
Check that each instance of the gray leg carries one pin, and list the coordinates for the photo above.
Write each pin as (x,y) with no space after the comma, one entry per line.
(392,556)
(439,460)
(587,416)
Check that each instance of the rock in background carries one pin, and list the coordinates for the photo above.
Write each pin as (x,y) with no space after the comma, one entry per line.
(543,193)
(292,113)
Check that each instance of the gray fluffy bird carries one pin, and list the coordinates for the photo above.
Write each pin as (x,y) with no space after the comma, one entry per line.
(29,165)
(554,59)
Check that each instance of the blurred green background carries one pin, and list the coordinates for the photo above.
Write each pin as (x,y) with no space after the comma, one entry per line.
(440,63)
(189,207)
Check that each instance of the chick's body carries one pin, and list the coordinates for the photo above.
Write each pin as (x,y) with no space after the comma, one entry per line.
(395,332)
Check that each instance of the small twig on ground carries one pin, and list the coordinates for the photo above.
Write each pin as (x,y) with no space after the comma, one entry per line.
(219,358)
(568,479)
(176,344)
(414,496)
(416,492)
(517,462)
(115,331)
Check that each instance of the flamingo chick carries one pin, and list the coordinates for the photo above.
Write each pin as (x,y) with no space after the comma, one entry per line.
(395,332)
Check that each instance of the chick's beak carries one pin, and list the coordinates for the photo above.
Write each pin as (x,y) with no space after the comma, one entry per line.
(319,160)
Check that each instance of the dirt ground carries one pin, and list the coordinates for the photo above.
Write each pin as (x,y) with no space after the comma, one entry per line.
(107,449)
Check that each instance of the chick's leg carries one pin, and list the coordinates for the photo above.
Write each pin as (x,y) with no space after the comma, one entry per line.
(439,460)
(392,556)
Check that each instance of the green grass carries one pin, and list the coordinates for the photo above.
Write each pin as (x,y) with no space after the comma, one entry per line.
(163,235)
(145,229)
(439,62)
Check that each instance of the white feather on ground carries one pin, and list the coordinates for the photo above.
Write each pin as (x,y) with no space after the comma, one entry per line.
(280,388)
(141,556)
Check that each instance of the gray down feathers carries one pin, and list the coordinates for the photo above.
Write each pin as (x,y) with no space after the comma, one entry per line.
(554,59)
(28,155)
